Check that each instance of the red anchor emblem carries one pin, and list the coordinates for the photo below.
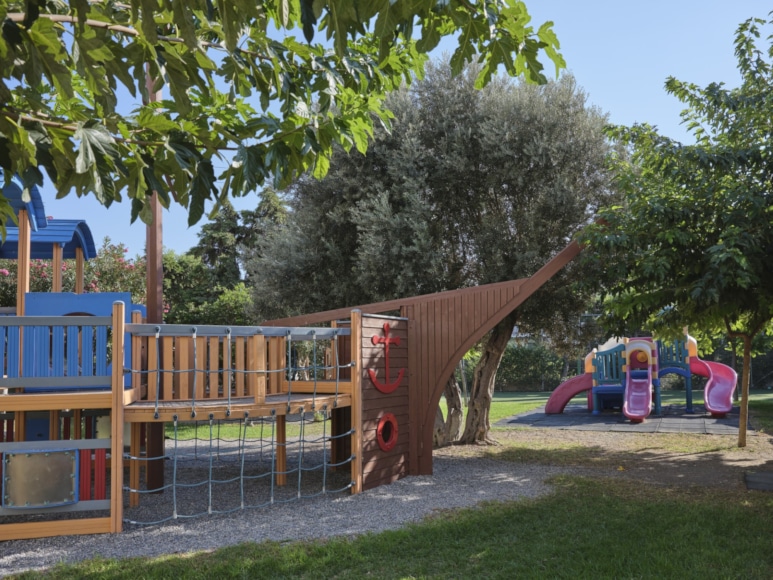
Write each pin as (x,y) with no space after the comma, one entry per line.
(386,341)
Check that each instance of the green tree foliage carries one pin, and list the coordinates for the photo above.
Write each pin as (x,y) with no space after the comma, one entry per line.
(239,85)
(193,294)
(470,187)
(692,243)
(218,246)
(188,283)
(529,366)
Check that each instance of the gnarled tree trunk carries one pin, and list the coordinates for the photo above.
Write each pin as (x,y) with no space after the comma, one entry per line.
(477,426)
(447,430)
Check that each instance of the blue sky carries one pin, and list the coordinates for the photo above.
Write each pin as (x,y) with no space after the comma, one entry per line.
(620,52)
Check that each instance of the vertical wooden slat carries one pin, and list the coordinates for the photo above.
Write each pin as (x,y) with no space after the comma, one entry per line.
(73,351)
(56,265)
(153,366)
(182,365)
(101,352)
(414,406)
(57,351)
(240,366)
(476,316)
(167,365)
(276,362)
(117,420)
(100,474)
(281,450)
(23,261)
(135,450)
(201,366)
(438,336)
(228,357)
(139,350)
(85,475)
(53,425)
(260,349)
(252,366)
(87,351)
(79,269)
(357,401)
(213,379)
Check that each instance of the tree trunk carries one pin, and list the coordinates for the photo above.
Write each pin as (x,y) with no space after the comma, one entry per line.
(477,426)
(564,370)
(745,379)
(447,431)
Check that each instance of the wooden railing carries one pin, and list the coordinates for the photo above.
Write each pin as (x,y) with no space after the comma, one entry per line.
(179,363)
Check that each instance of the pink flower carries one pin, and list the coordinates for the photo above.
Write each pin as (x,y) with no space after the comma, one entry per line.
(4,272)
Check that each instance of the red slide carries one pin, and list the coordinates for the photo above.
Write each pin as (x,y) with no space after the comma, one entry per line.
(718,392)
(566,391)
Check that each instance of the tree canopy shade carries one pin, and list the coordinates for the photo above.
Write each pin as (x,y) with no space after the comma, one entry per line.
(693,241)
(240,86)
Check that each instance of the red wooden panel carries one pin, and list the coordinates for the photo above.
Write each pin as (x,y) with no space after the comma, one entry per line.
(100,474)
(85,474)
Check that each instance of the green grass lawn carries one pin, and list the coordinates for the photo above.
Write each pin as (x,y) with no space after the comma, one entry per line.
(585,528)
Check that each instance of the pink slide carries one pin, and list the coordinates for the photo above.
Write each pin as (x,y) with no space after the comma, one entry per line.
(718,392)
(637,400)
(566,391)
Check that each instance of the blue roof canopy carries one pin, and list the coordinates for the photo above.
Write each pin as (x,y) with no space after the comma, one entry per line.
(34,207)
(70,234)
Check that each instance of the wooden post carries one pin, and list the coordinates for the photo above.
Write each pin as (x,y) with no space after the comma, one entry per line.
(281,449)
(155,308)
(116,423)
(22,287)
(135,450)
(57,260)
(23,261)
(79,271)
(356,345)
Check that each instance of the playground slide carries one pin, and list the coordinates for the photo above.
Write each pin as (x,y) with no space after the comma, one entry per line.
(718,392)
(566,391)
(637,400)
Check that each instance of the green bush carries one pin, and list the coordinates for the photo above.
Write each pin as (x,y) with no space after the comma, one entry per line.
(530,366)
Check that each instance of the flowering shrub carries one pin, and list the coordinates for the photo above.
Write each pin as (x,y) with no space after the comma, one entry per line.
(109,271)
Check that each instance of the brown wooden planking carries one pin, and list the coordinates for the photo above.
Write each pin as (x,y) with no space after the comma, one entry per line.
(374,463)
(390,473)
(371,417)
(402,445)
(475,311)
(370,393)
(374,483)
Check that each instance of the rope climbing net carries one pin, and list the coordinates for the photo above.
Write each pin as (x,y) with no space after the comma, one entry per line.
(219,466)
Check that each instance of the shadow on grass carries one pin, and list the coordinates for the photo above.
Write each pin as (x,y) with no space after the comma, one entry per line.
(702,460)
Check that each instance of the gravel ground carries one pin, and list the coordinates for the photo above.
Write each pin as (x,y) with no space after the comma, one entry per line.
(456,482)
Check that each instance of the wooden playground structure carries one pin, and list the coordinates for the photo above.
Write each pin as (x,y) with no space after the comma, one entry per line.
(100,383)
